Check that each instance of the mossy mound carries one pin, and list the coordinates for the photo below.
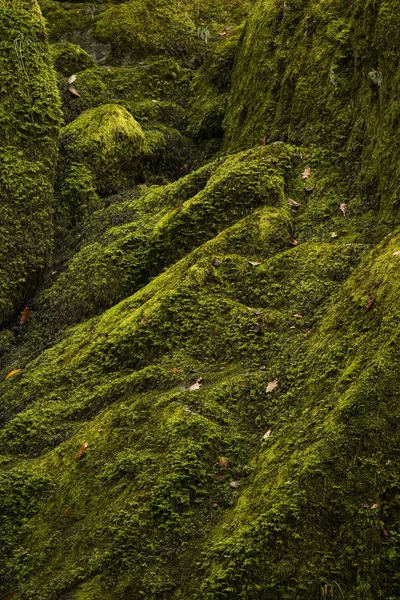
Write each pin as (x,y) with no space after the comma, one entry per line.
(109,141)
(29,126)
(69,59)
(324,74)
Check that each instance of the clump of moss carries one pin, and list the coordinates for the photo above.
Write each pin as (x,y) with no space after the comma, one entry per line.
(109,141)
(29,127)
(69,59)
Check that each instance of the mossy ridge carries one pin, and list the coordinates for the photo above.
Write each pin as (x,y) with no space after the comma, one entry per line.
(189,213)
(324,74)
(29,124)
(204,335)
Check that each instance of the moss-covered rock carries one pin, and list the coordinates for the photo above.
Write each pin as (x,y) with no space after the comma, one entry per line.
(29,126)
(109,141)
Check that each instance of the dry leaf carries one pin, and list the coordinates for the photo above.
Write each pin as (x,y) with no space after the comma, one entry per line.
(144,320)
(234,484)
(175,370)
(25,315)
(220,477)
(82,450)
(64,513)
(222,33)
(309,189)
(255,263)
(272,385)
(197,385)
(389,462)
(74,92)
(298,316)
(306,173)
(155,101)
(374,506)
(72,79)
(217,262)
(396,253)
(385,532)
(365,505)
(264,141)
(370,303)
(333,234)
(306,330)
(343,209)
(215,505)
(223,462)
(294,242)
(12,373)
(293,203)
(267,434)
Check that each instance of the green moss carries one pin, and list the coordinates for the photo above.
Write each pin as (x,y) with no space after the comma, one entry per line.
(109,141)
(69,59)
(29,123)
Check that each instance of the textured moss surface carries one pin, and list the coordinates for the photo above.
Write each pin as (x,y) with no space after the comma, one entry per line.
(204,403)
(29,121)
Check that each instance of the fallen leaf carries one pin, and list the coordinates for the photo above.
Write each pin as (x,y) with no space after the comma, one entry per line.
(155,101)
(309,189)
(381,522)
(396,253)
(272,385)
(370,303)
(175,370)
(374,506)
(293,327)
(217,262)
(365,505)
(215,505)
(100,429)
(255,263)
(294,211)
(333,234)
(12,373)
(74,92)
(185,168)
(72,79)
(220,477)
(306,330)
(385,532)
(64,513)
(223,462)
(82,450)
(306,173)
(264,141)
(267,434)
(294,242)
(54,273)
(343,209)
(234,484)
(389,462)
(222,33)
(293,203)
(263,368)
(144,320)
(298,316)
(197,385)
(25,315)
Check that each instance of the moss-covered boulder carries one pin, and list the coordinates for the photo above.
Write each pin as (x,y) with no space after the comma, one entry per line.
(109,141)
(29,127)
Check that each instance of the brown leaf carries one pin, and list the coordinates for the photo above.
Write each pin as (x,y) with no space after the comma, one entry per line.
(82,450)
(343,209)
(298,316)
(294,242)
(272,385)
(365,505)
(197,385)
(175,370)
(309,189)
(396,253)
(223,462)
(25,315)
(385,532)
(370,303)
(12,373)
(144,320)
(101,428)
(374,506)
(293,203)
(333,234)
(267,434)
(217,262)
(222,33)
(306,173)
(234,484)
(264,141)
(64,513)
(74,92)
(215,505)
(255,263)
(220,477)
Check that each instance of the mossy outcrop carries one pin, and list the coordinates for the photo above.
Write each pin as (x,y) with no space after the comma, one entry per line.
(204,403)
(29,124)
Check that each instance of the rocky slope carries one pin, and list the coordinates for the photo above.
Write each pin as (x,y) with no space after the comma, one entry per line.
(201,397)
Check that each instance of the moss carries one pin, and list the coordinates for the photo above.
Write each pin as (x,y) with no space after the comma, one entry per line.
(70,58)
(109,141)
(29,123)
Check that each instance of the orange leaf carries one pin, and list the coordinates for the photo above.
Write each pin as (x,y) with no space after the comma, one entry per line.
(74,92)
(175,370)
(223,462)
(82,450)
(370,303)
(12,373)
(25,315)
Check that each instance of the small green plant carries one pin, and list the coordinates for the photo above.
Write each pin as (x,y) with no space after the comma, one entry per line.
(204,33)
